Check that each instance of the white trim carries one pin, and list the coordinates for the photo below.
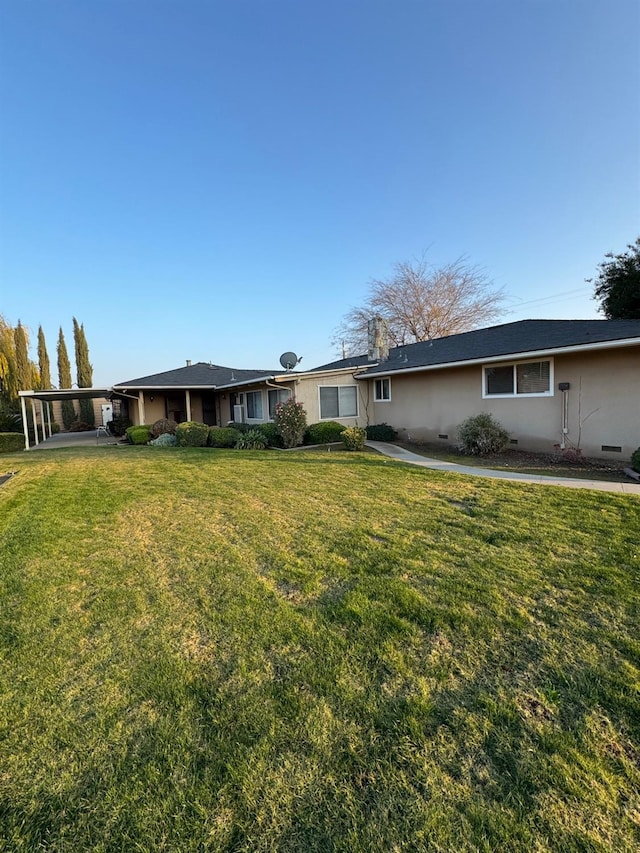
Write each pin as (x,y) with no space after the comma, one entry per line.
(514,395)
(338,417)
(530,355)
(381,399)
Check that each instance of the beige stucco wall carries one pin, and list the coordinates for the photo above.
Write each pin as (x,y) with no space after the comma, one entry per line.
(56,407)
(604,404)
(306,391)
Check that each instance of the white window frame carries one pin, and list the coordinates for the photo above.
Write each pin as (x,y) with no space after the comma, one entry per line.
(246,406)
(381,379)
(514,394)
(338,417)
(281,392)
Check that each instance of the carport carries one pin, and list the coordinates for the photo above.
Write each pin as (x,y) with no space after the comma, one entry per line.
(43,399)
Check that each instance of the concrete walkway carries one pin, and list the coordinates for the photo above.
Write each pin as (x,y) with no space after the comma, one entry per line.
(402,455)
(75,439)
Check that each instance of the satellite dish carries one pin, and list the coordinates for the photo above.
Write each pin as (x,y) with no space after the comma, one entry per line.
(289,360)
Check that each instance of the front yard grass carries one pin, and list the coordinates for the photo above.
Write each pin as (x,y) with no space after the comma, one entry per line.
(217,650)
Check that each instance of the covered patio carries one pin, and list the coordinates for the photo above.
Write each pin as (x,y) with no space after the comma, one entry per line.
(42,411)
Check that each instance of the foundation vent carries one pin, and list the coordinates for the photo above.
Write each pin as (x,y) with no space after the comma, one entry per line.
(611,448)
(443,435)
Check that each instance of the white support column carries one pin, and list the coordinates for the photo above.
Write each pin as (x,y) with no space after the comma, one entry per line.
(42,423)
(25,425)
(49,418)
(141,407)
(187,396)
(35,422)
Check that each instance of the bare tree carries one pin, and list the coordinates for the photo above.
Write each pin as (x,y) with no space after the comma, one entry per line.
(420,302)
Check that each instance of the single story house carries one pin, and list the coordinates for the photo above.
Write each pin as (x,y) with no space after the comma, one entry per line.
(571,383)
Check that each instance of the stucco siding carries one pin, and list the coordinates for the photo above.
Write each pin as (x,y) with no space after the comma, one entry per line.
(603,405)
(307,393)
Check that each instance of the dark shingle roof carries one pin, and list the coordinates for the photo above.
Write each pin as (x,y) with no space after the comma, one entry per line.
(508,339)
(196,375)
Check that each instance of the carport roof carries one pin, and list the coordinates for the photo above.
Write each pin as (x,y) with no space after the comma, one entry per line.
(66,394)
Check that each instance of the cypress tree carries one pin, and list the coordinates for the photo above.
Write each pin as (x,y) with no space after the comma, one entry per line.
(23,368)
(84,372)
(43,361)
(64,381)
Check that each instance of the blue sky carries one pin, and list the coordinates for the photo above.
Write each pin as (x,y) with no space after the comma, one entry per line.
(220,181)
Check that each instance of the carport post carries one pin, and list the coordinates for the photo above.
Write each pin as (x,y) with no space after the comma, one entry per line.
(187,396)
(49,418)
(141,407)
(35,422)
(42,422)
(25,425)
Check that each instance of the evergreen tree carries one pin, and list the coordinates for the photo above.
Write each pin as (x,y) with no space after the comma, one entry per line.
(618,284)
(23,367)
(83,367)
(64,380)
(84,372)
(43,361)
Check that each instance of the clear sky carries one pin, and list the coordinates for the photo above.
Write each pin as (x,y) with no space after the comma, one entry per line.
(218,181)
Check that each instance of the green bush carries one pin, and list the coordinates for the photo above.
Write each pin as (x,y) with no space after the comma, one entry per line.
(81,426)
(323,432)
(354,438)
(223,436)
(271,434)
(164,426)
(119,425)
(11,441)
(138,434)
(291,420)
(254,439)
(481,434)
(192,434)
(55,428)
(635,460)
(381,432)
(164,440)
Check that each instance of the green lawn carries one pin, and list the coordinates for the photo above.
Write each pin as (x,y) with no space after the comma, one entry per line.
(217,650)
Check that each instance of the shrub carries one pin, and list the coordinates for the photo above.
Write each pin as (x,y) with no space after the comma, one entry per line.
(323,432)
(55,428)
(291,420)
(10,418)
(164,426)
(254,439)
(192,434)
(381,432)
(481,434)
(164,440)
(11,441)
(223,436)
(635,460)
(119,425)
(80,426)
(354,438)
(271,434)
(138,434)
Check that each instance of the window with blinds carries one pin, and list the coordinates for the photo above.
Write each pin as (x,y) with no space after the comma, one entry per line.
(530,378)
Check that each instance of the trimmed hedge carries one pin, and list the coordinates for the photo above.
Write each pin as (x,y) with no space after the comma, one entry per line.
(138,434)
(635,460)
(11,441)
(324,432)
(381,432)
(192,434)
(271,433)
(354,438)
(223,436)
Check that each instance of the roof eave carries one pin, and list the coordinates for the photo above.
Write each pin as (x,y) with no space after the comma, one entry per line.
(513,356)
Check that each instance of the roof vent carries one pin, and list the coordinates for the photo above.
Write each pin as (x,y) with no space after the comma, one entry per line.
(188,362)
